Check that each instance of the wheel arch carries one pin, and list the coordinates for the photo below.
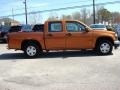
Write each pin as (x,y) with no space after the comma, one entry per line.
(25,42)
(104,38)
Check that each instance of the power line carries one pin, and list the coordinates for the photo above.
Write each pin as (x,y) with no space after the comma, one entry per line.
(64,8)
(6,3)
(49,5)
(61,3)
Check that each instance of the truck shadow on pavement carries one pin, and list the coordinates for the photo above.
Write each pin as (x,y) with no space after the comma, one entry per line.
(65,54)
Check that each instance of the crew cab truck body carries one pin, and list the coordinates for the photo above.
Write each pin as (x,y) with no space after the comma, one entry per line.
(63,35)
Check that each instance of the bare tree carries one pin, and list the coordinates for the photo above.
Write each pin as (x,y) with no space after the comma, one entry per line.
(84,13)
(53,16)
(98,15)
(76,16)
(66,17)
(35,18)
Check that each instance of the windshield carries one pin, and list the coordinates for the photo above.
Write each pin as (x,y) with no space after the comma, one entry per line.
(97,26)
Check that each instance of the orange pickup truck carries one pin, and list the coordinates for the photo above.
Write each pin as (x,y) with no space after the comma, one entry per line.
(63,35)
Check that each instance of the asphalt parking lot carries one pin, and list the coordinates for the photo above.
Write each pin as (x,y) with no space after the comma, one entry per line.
(76,70)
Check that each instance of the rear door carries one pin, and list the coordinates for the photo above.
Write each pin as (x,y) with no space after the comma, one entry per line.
(55,36)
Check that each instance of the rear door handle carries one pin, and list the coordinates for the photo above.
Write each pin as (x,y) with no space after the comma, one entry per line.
(68,34)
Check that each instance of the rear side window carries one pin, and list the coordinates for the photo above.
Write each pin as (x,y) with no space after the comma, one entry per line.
(55,27)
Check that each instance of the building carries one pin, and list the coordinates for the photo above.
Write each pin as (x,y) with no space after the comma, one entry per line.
(9,22)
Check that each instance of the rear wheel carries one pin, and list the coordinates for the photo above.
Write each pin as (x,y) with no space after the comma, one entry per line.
(104,47)
(32,50)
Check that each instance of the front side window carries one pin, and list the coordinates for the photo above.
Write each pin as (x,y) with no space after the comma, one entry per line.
(55,27)
(74,27)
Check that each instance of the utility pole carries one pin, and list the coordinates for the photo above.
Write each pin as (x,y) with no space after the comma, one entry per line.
(12,14)
(25,2)
(94,11)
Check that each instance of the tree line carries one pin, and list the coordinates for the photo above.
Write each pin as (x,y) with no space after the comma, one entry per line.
(103,15)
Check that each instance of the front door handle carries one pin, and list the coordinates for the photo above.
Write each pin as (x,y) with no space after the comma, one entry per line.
(69,34)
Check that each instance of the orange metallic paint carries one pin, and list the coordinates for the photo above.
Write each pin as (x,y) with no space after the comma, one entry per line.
(59,40)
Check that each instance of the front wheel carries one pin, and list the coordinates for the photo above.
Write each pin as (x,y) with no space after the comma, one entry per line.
(31,50)
(104,47)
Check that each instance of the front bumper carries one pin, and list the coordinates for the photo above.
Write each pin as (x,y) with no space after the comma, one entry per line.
(116,44)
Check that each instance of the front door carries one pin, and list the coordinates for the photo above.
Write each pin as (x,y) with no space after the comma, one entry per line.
(55,36)
(77,37)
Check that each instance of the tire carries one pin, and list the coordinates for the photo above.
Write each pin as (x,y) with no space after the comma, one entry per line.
(104,47)
(3,41)
(31,50)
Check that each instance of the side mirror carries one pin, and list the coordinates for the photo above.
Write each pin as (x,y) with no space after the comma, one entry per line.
(86,29)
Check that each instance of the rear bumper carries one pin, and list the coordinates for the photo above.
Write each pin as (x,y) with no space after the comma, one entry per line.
(116,44)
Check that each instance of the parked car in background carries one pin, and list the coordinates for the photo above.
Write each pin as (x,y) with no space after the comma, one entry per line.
(110,28)
(4,30)
(98,27)
(21,28)
(117,30)
(3,33)
(26,28)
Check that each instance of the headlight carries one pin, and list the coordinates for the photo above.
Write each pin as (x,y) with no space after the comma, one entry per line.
(116,36)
